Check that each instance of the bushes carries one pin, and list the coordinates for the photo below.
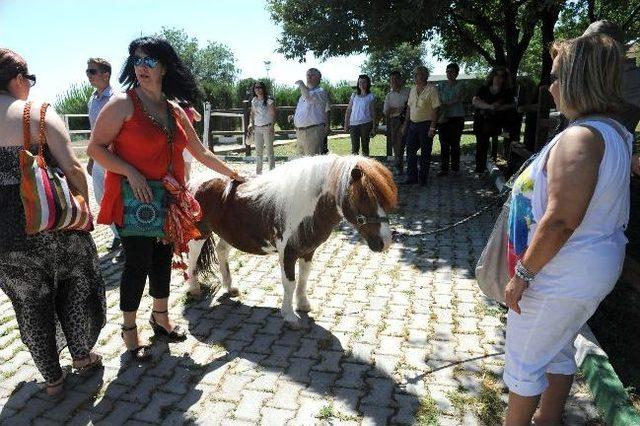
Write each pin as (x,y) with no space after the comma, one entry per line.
(285,95)
(74,101)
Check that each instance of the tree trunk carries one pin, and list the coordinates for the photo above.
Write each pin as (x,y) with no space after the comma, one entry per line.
(549,18)
(591,10)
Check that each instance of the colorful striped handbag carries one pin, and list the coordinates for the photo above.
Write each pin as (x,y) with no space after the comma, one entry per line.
(49,202)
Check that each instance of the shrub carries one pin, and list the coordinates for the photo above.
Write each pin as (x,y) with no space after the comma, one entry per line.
(285,96)
(74,101)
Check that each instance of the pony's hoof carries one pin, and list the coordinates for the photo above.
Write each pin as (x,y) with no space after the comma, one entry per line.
(303,307)
(233,292)
(293,324)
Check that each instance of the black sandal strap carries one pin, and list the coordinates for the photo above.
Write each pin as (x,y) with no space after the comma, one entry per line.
(125,328)
(160,312)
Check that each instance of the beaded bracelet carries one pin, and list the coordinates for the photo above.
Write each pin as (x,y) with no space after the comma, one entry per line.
(523,273)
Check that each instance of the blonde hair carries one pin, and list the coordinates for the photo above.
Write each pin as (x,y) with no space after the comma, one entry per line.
(589,74)
(104,65)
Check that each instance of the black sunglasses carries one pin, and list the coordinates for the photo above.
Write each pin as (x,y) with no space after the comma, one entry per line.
(553,77)
(92,71)
(31,78)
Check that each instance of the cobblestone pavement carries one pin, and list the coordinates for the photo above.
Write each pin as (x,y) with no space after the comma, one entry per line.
(401,337)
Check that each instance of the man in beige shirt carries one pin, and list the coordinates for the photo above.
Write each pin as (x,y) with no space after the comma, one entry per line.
(420,126)
(394,107)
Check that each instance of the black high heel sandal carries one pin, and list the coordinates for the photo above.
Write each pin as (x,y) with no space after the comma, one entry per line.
(141,353)
(175,335)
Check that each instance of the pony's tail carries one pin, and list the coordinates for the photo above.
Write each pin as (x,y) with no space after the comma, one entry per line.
(207,259)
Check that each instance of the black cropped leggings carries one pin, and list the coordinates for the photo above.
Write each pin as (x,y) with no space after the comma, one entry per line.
(144,257)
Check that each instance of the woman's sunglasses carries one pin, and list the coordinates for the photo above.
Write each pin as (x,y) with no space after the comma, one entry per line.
(147,61)
(553,77)
(31,78)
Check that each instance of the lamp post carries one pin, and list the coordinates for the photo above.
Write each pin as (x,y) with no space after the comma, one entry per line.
(267,66)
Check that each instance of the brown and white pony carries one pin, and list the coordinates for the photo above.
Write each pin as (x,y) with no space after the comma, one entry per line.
(291,210)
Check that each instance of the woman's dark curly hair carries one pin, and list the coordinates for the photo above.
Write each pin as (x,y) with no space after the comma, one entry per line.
(177,83)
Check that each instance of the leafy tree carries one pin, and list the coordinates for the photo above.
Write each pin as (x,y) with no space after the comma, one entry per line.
(499,31)
(214,63)
(404,58)
(478,34)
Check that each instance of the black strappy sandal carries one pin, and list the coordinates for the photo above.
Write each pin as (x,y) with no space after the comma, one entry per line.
(141,353)
(175,335)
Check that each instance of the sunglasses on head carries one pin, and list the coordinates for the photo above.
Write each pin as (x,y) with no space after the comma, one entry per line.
(31,78)
(147,61)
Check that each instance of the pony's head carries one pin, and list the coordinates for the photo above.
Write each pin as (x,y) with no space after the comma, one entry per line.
(371,194)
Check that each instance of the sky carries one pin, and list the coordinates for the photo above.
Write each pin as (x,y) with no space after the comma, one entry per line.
(57,36)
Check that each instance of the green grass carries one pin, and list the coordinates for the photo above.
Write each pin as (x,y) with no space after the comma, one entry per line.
(326,412)
(428,412)
(377,146)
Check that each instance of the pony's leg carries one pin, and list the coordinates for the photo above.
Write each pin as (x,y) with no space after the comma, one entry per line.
(222,250)
(288,270)
(195,247)
(304,267)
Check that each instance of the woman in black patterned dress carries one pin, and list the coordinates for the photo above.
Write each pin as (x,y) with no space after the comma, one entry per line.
(52,278)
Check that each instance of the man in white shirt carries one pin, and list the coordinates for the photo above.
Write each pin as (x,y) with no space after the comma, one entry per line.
(311,118)
(99,73)
(394,107)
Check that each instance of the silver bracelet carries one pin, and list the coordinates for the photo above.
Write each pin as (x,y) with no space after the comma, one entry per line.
(523,273)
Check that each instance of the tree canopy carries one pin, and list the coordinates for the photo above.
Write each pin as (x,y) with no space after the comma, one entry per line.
(512,33)
(404,58)
(213,64)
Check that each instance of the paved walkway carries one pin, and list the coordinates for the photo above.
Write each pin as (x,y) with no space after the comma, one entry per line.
(402,337)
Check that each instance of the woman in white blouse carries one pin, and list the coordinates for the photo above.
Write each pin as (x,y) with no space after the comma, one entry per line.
(263,114)
(360,117)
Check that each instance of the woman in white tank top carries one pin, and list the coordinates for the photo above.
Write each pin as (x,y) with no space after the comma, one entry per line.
(566,241)
(360,116)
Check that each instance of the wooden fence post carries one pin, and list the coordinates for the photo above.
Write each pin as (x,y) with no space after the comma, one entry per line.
(543,123)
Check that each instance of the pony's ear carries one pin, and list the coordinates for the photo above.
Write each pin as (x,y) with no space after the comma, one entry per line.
(356,173)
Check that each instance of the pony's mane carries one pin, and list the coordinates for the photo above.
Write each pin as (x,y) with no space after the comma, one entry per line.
(293,188)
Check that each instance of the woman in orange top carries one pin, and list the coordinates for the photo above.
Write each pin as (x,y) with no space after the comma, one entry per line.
(138,136)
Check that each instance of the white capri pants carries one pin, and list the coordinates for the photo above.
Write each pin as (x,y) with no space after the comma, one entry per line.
(540,340)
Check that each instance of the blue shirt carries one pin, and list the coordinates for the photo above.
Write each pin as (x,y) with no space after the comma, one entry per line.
(448,93)
(96,102)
